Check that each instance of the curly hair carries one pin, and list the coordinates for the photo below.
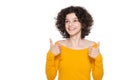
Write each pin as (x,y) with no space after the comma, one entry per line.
(83,16)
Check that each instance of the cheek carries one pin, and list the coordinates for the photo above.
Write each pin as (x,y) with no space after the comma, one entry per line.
(66,26)
(79,25)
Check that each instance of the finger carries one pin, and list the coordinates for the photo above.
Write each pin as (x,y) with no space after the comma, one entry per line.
(59,45)
(90,48)
(51,43)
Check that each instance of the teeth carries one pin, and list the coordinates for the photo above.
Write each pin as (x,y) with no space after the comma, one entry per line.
(71,28)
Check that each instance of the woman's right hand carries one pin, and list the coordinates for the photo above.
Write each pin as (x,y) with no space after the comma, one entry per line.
(55,49)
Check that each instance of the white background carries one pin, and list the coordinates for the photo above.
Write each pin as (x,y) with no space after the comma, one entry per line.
(27,25)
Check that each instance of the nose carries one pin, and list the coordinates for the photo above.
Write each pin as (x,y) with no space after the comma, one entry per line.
(70,23)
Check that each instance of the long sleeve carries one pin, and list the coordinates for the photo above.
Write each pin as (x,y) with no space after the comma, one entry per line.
(51,65)
(97,68)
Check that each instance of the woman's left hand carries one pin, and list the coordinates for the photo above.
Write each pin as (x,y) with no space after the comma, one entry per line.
(94,52)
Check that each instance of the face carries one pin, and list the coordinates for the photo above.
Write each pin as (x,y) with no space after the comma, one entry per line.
(72,24)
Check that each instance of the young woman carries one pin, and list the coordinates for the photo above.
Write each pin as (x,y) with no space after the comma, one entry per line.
(75,57)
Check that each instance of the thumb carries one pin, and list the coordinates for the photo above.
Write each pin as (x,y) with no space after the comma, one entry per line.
(98,44)
(51,42)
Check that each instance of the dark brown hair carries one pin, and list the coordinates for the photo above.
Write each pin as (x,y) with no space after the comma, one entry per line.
(83,16)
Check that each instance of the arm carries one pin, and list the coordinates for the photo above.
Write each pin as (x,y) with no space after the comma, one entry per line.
(97,68)
(51,65)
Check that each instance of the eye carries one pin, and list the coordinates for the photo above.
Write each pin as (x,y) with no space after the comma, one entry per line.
(66,21)
(76,20)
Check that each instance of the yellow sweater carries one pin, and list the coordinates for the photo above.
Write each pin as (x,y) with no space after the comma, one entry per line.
(73,65)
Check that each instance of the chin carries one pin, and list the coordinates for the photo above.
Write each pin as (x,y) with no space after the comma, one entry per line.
(73,34)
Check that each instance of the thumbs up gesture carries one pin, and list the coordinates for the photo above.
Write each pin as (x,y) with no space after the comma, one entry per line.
(55,49)
(94,52)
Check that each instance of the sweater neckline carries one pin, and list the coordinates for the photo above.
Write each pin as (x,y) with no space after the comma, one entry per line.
(82,49)
(74,49)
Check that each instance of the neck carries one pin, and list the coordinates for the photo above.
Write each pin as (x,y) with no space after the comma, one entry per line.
(75,41)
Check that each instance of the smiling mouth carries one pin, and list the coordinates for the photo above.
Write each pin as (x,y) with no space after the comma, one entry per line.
(71,29)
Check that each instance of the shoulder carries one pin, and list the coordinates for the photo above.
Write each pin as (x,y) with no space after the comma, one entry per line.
(89,42)
(61,42)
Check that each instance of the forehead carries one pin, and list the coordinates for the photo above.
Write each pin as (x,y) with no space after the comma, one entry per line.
(71,15)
